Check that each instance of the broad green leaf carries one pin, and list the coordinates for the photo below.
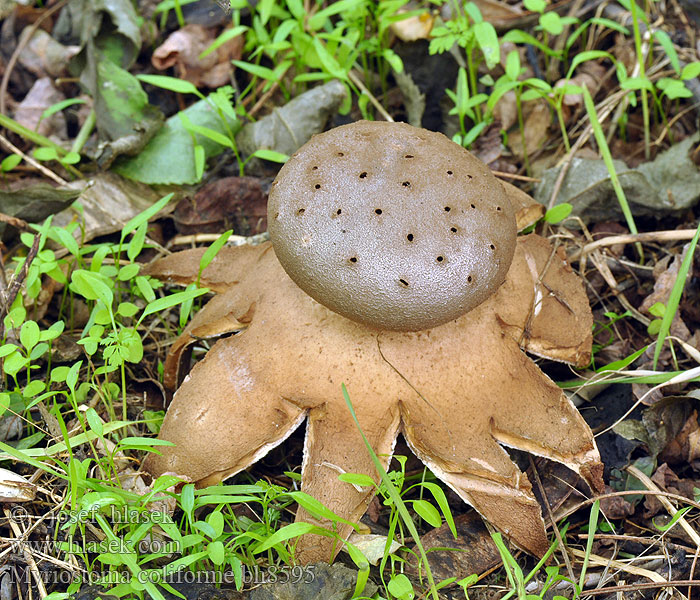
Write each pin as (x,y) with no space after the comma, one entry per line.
(558,213)
(145,216)
(288,532)
(29,334)
(637,83)
(33,388)
(665,42)
(216,521)
(216,552)
(128,272)
(487,39)
(200,161)
(690,71)
(538,6)
(271,155)
(7,349)
(10,162)
(427,512)
(91,286)
(127,309)
(52,332)
(169,158)
(400,587)
(513,65)
(171,300)
(45,154)
(94,421)
(172,84)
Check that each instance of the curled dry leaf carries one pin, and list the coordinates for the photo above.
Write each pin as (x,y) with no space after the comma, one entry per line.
(583,80)
(41,96)
(182,49)
(666,273)
(15,488)
(44,56)
(527,210)
(417,27)
(537,121)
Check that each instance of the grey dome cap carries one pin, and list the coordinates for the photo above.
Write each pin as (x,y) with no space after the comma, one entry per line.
(390,225)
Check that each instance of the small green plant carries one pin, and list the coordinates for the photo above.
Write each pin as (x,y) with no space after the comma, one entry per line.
(220,101)
(478,38)
(327,43)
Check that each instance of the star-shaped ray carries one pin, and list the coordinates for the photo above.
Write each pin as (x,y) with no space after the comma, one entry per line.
(458,392)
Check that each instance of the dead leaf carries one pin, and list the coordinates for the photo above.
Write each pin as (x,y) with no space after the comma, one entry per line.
(44,56)
(473,551)
(41,96)
(615,507)
(237,203)
(15,488)
(583,80)
(537,121)
(500,14)
(108,201)
(183,48)
(417,27)
(506,110)
(666,275)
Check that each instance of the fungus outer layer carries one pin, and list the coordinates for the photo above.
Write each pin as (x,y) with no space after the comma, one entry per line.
(392,226)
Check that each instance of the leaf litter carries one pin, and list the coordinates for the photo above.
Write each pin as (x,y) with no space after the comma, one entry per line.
(661,439)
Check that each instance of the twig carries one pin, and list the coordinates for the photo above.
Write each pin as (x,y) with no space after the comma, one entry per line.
(17,282)
(650,236)
(601,264)
(651,486)
(14,221)
(633,587)
(635,538)
(259,104)
(27,554)
(380,109)
(562,546)
(504,175)
(633,570)
(18,50)
(37,165)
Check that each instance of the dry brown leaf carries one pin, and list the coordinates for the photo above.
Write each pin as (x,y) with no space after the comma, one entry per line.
(237,203)
(41,96)
(472,552)
(537,120)
(527,210)
(44,56)
(583,80)
(666,275)
(456,391)
(15,488)
(183,48)
(506,110)
(413,28)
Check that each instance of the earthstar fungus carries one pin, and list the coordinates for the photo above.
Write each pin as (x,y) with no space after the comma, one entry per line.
(458,390)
